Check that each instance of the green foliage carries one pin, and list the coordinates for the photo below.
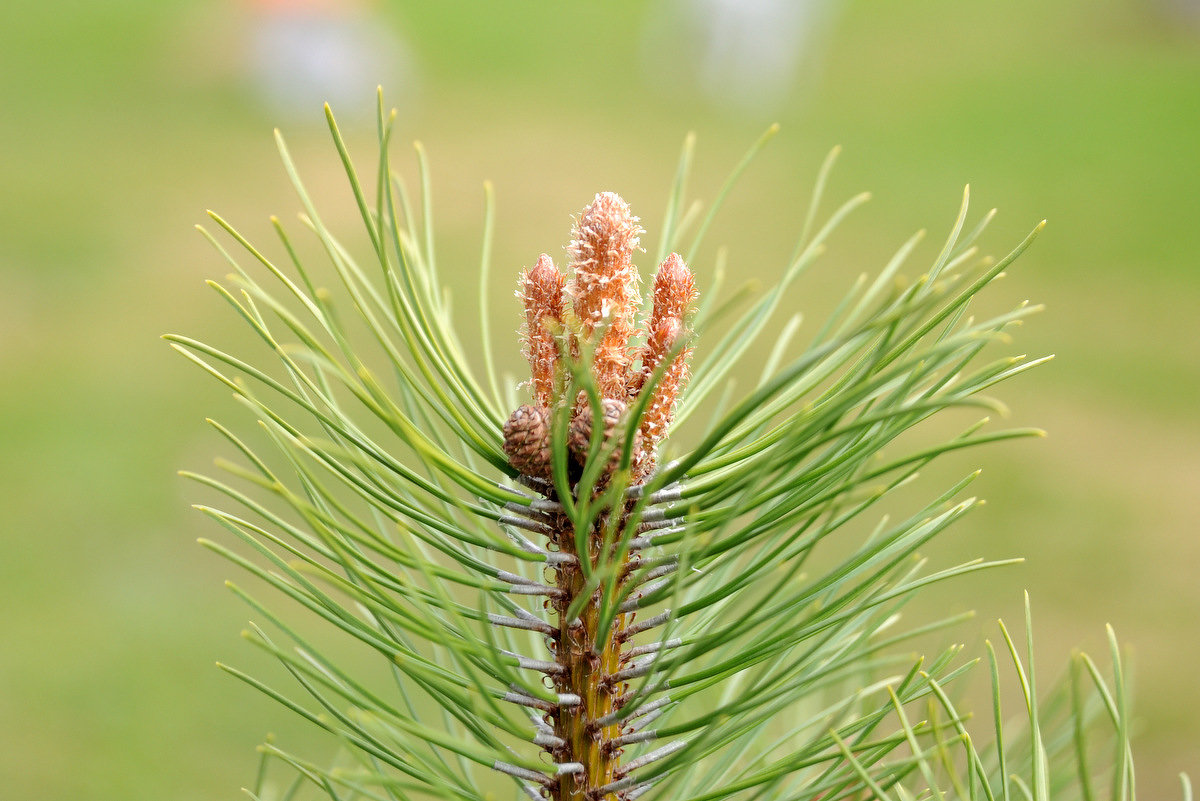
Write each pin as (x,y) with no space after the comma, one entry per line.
(376,496)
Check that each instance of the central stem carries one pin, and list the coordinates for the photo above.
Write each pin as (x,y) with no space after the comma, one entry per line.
(587,672)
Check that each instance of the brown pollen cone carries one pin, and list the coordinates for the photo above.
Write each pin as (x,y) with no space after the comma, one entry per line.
(674,296)
(605,286)
(674,289)
(541,292)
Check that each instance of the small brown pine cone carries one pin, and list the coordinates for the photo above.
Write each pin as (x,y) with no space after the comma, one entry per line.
(580,437)
(527,441)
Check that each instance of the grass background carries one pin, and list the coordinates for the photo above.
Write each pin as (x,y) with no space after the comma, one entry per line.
(121,121)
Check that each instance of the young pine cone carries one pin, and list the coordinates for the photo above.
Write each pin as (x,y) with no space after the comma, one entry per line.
(580,438)
(527,441)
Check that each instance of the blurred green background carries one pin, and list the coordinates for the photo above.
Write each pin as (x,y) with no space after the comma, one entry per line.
(122,121)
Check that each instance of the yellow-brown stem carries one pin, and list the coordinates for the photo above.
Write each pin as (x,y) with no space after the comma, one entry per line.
(584,676)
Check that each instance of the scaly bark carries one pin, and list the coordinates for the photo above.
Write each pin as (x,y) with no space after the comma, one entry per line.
(587,674)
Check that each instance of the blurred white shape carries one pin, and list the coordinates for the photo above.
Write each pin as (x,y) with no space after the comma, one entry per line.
(1186,12)
(744,53)
(306,52)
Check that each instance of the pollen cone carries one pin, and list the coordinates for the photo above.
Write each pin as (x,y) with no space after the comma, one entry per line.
(674,296)
(605,287)
(541,291)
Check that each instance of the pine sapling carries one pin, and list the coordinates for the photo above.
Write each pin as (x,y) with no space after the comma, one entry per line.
(574,602)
